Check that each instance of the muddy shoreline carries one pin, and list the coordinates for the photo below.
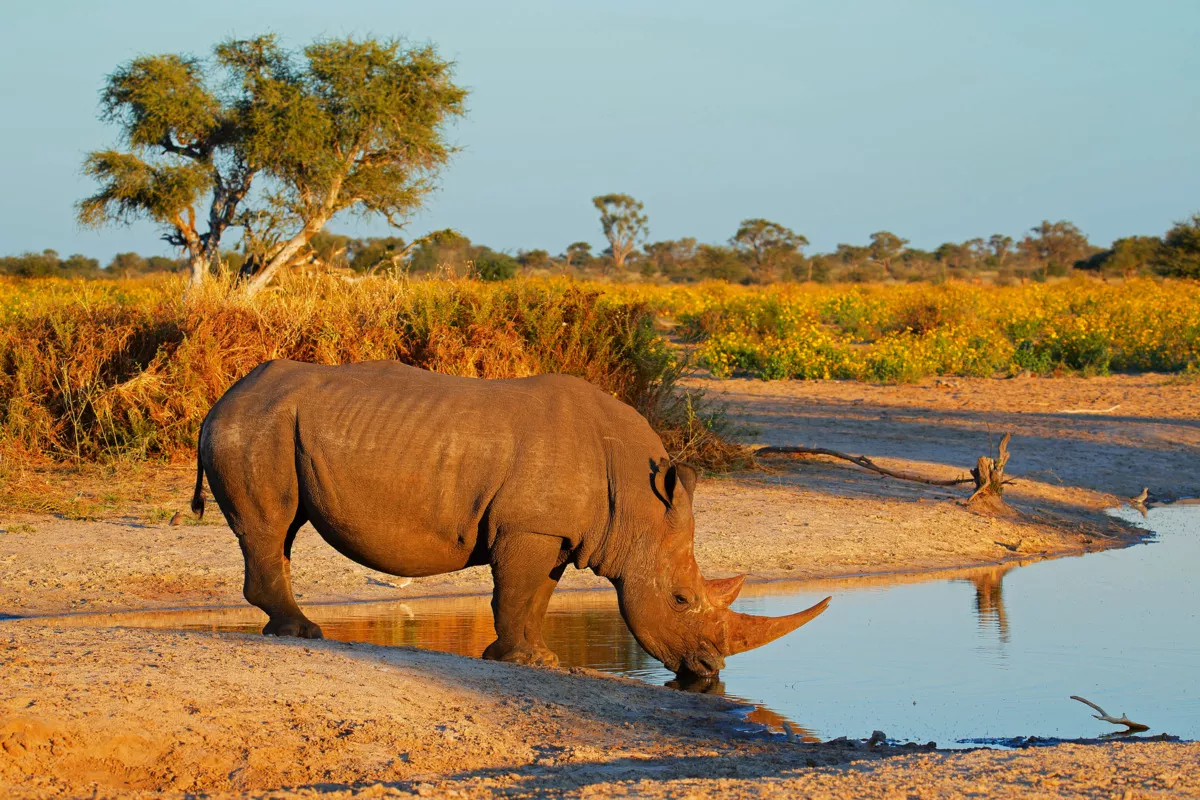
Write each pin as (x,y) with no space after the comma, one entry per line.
(812,520)
(111,712)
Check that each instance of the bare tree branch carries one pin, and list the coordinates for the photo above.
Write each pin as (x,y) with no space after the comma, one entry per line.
(1103,716)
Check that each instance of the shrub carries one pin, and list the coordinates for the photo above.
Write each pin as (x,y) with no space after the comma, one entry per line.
(127,369)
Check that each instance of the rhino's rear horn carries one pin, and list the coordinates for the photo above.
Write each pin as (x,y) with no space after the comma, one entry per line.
(723,591)
(746,631)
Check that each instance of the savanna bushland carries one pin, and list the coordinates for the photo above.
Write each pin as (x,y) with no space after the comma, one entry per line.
(243,157)
(127,368)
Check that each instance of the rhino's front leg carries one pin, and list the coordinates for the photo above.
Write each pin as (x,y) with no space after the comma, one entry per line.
(525,570)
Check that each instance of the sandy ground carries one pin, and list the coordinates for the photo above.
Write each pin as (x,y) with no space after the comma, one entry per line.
(150,713)
(161,711)
(1112,435)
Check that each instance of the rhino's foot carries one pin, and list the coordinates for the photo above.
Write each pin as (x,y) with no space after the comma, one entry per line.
(288,626)
(528,656)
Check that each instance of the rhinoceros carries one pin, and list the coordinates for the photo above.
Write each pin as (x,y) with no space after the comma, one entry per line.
(415,473)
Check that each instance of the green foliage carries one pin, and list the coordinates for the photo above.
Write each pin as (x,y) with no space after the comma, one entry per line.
(885,248)
(492,266)
(47,264)
(672,259)
(578,254)
(852,254)
(350,125)
(1000,245)
(182,144)
(1180,254)
(162,101)
(131,188)
(132,265)
(334,249)
(623,223)
(1130,256)
(1055,246)
(769,245)
(535,259)
(715,262)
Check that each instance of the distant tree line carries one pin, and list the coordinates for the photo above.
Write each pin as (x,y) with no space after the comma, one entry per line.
(762,251)
(48,264)
(759,251)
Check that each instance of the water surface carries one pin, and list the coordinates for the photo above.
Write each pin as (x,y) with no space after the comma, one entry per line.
(991,652)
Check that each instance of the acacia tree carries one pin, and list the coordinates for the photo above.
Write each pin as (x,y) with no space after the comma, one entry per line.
(343,126)
(1054,245)
(953,255)
(999,247)
(885,247)
(183,149)
(578,254)
(350,126)
(766,243)
(623,223)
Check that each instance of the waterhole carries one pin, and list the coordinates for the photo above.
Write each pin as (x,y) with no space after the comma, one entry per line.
(955,658)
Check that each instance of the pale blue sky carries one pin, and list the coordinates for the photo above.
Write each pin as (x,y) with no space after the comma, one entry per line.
(939,120)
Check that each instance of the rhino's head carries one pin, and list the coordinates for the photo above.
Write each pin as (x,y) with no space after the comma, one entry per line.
(676,615)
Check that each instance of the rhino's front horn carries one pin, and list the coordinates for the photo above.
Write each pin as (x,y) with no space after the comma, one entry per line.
(746,632)
(723,591)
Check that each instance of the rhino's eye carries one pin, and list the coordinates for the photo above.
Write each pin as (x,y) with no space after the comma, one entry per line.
(681,600)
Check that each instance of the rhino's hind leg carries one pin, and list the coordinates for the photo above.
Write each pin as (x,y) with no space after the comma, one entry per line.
(525,571)
(267,551)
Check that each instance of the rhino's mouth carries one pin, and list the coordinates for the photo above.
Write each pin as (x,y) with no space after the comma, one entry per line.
(704,665)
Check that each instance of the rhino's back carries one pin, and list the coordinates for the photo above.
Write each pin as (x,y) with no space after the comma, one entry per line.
(402,469)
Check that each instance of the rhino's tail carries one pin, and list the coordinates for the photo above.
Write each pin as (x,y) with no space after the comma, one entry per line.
(198,494)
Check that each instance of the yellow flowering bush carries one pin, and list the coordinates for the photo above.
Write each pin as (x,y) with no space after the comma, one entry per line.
(904,333)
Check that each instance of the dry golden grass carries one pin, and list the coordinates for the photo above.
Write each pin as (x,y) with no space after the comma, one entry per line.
(125,371)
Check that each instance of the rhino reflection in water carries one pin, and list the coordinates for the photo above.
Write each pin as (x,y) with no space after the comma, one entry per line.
(414,473)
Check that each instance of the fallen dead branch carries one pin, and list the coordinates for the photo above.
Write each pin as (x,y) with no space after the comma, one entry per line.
(988,474)
(1103,716)
(1108,410)
(861,461)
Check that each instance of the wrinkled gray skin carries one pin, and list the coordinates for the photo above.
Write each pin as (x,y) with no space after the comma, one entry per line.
(413,473)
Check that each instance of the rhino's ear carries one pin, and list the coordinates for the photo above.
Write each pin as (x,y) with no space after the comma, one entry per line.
(672,477)
(687,476)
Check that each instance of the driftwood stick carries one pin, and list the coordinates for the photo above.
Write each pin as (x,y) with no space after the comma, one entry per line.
(861,461)
(1108,410)
(1103,716)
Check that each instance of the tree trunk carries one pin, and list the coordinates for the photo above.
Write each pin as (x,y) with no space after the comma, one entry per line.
(619,253)
(284,257)
(198,258)
(200,264)
(294,245)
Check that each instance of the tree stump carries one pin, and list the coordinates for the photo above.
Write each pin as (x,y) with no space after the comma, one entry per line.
(989,481)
